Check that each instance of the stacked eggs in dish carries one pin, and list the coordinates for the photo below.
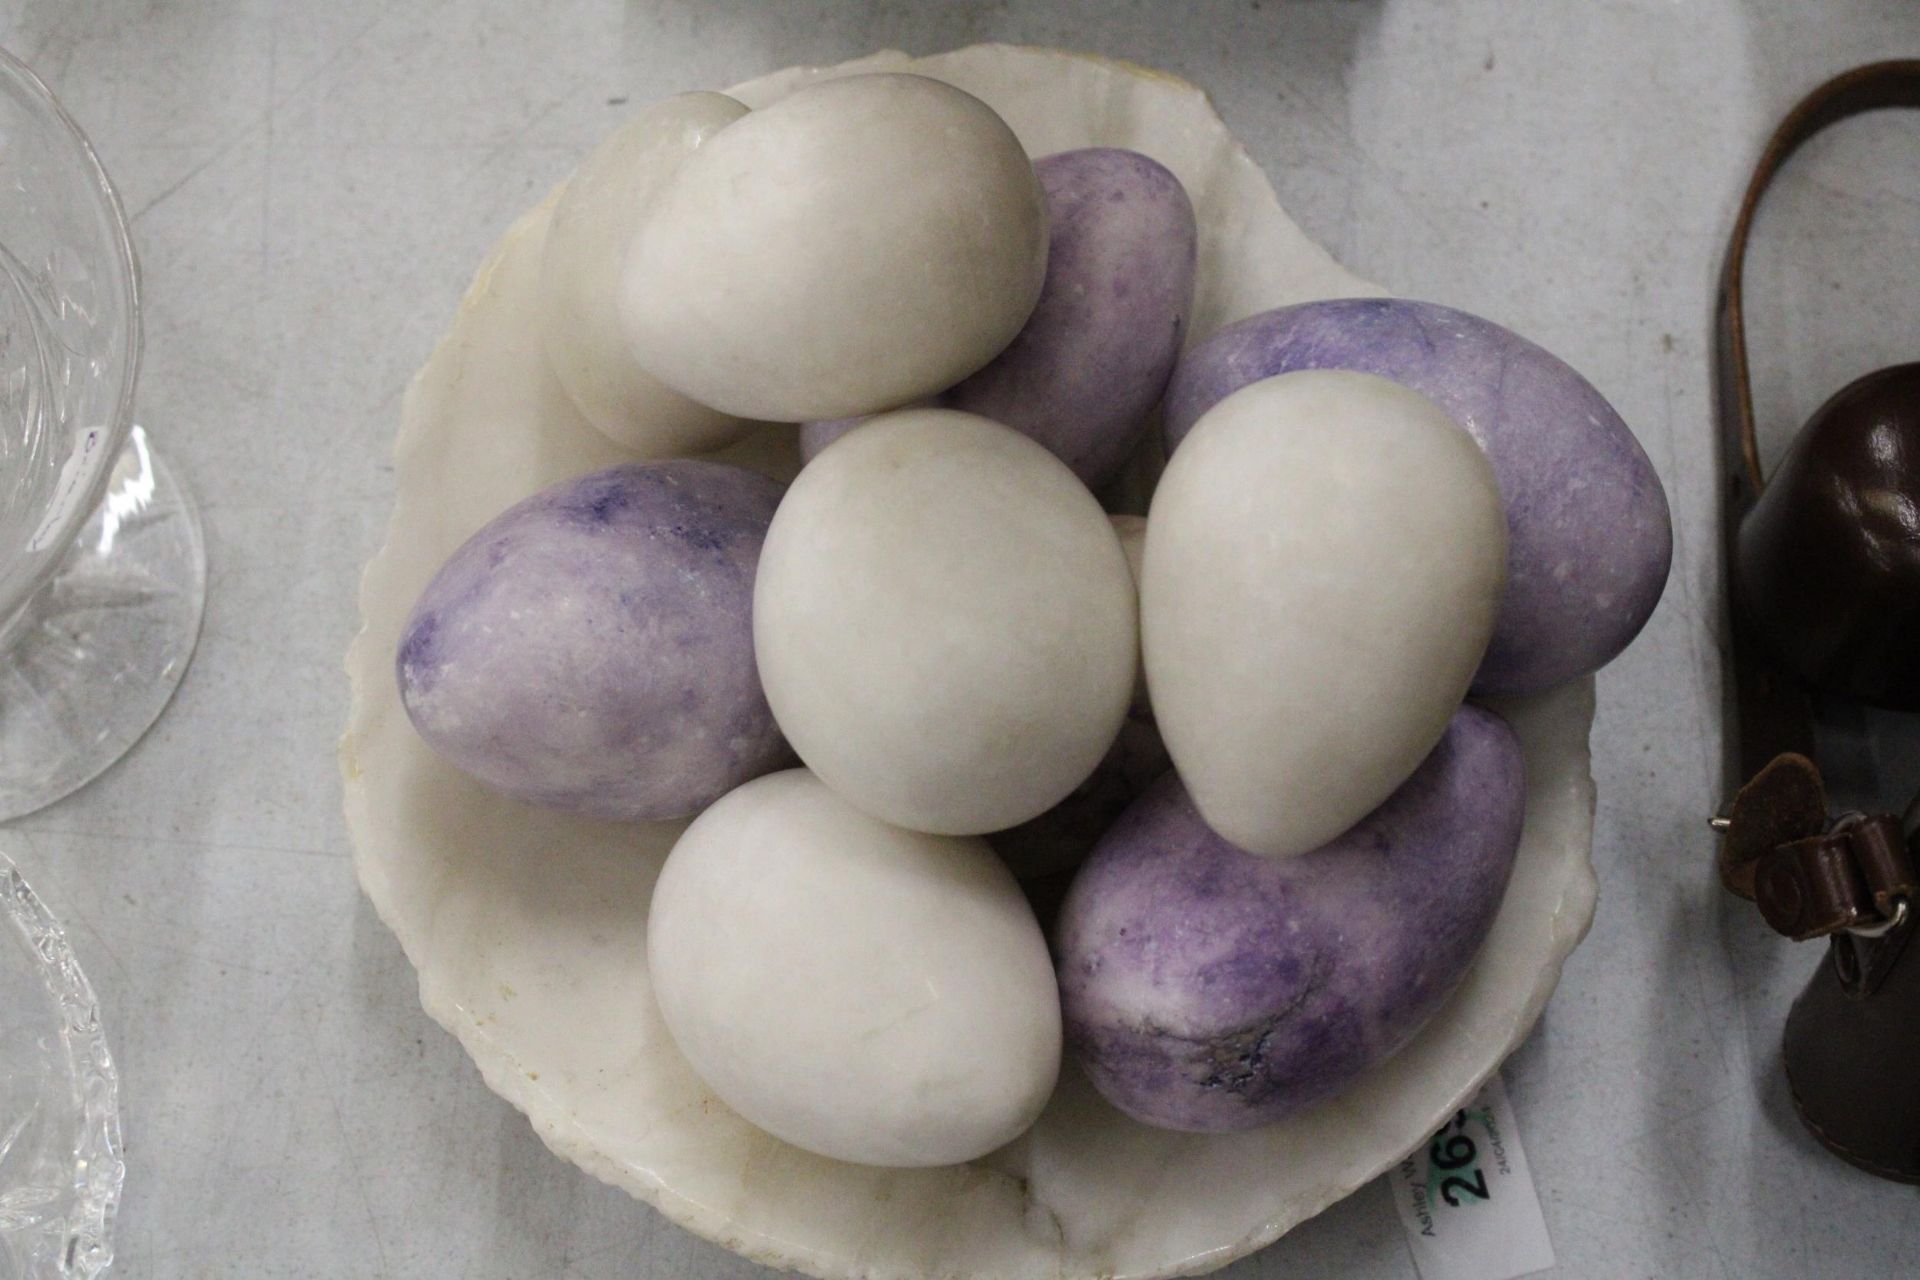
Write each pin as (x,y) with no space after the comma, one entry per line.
(1234,733)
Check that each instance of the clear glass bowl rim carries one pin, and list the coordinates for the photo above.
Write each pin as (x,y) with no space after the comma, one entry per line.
(24,77)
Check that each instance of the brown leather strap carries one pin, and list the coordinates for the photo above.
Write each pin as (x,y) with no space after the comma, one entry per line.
(1786,800)
(1811,878)
(1771,711)
(1869,88)
(1848,878)
(1879,846)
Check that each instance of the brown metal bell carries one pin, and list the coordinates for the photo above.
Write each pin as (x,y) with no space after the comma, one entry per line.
(1828,560)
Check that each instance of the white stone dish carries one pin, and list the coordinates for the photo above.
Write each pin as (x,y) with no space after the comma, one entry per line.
(527,927)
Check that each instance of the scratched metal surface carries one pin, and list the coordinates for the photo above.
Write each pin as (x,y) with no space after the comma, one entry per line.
(312,185)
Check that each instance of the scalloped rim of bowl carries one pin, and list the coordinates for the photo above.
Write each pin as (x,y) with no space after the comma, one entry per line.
(1055,100)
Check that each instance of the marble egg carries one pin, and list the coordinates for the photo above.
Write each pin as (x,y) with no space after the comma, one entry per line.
(863,992)
(1591,540)
(1207,989)
(1091,362)
(856,245)
(587,239)
(945,623)
(1324,560)
(1084,374)
(591,648)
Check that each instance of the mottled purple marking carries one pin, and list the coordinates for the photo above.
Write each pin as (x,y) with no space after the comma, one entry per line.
(1208,989)
(591,648)
(1085,372)
(1590,539)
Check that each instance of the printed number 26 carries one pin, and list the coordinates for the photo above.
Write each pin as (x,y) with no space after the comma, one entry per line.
(1457,1152)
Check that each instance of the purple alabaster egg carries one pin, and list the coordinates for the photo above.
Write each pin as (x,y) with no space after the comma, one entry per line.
(1085,372)
(1208,989)
(591,648)
(1589,537)
(1096,354)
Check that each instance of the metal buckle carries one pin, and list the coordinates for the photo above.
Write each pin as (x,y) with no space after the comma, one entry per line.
(1886,926)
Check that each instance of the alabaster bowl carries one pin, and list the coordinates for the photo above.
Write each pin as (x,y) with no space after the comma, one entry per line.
(528,926)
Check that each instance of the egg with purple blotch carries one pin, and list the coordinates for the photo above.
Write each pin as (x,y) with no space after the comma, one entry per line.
(1590,537)
(591,648)
(1210,990)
